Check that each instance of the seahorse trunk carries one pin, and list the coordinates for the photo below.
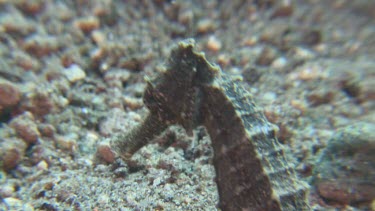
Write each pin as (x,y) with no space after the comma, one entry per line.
(251,170)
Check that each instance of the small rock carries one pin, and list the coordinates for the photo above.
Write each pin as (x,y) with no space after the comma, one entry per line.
(103,199)
(252,74)
(26,128)
(284,10)
(17,24)
(205,26)
(284,133)
(39,103)
(107,12)
(105,152)
(87,24)
(13,203)
(223,60)
(303,53)
(26,62)
(279,63)
(133,103)
(7,191)
(213,44)
(186,17)
(32,7)
(11,153)
(250,41)
(11,158)
(320,96)
(117,77)
(312,37)
(299,105)
(345,172)
(273,34)
(308,73)
(47,130)
(27,207)
(98,37)
(9,95)
(41,45)
(17,204)
(266,57)
(66,143)
(116,121)
(269,97)
(74,73)
(42,165)
(62,11)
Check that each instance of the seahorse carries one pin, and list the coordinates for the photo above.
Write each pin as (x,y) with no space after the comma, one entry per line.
(252,171)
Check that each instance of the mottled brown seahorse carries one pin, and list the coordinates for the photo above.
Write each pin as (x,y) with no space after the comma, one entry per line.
(252,171)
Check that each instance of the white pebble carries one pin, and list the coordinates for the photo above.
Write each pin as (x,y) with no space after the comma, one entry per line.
(13,203)
(279,63)
(42,165)
(74,73)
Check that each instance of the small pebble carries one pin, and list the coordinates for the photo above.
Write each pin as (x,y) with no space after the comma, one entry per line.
(117,77)
(42,165)
(250,41)
(303,53)
(74,73)
(16,204)
(213,44)
(62,12)
(9,95)
(284,10)
(41,45)
(66,143)
(205,26)
(279,63)
(299,105)
(17,24)
(103,199)
(39,103)
(47,130)
(223,60)
(252,74)
(98,37)
(320,96)
(26,128)
(11,158)
(266,57)
(12,151)
(186,17)
(87,24)
(307,73)
(133,103)
(269,97)
(6,191)
(31,7)
(27,62)
(106,153)
(312,37)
